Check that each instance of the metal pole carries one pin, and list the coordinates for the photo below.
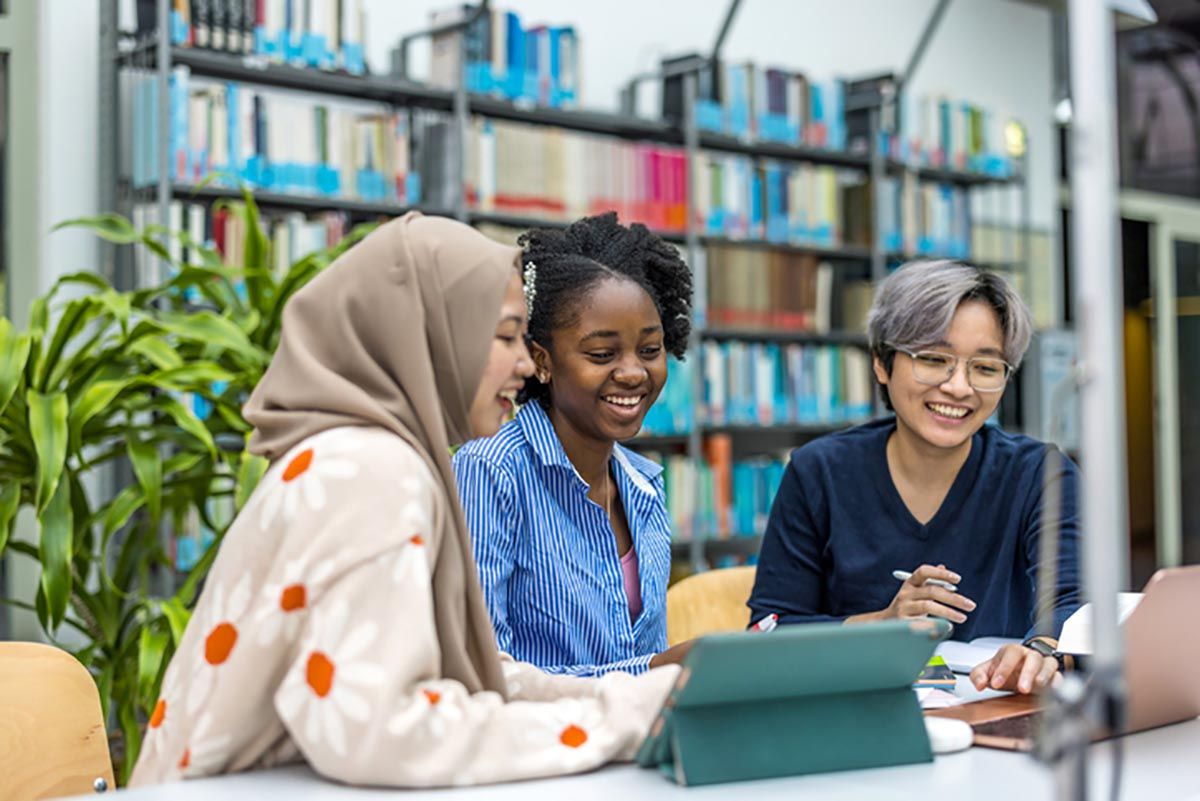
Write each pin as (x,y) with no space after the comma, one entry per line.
(878,268)
(1169,539)
(691,143)
(1095,233)
(1095,247)
(163,67)
(726,26)
(931,26)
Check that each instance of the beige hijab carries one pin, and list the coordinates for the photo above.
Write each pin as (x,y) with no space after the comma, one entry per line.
(396,334)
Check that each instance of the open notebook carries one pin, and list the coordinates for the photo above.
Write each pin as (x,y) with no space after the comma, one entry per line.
(962,656)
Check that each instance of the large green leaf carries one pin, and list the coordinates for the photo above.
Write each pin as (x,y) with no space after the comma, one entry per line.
(131,731)
(186,421)
(95,399)
(120,509)
(177,616)
(250,472)
(54,549)
(112,227)
(211,329)
(86,278)
(75,316)
(157,351)
(14,351)
(151,646)
(10,499)
(48,426)
(192,374)
(147,466)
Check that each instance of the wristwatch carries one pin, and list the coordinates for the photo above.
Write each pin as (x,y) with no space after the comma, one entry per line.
(1045,649)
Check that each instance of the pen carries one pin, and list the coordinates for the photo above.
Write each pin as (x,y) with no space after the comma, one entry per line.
(766,624)
(904,575)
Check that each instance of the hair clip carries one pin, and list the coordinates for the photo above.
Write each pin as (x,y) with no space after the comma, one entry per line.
(530,276)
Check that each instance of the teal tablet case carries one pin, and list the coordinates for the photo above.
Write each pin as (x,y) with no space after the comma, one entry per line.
(800,699)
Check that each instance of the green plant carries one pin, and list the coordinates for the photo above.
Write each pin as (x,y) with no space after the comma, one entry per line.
(110,377)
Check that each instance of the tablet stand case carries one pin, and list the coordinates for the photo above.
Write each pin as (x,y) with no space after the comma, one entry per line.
(801,699)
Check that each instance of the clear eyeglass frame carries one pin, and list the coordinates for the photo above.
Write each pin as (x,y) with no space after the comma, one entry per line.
(935,367)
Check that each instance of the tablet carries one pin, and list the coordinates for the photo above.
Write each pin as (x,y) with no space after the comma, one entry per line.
(799,699)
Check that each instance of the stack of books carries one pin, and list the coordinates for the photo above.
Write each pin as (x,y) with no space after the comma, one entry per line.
(764,104)
(559,175)
(797,203)
(766,384)
(325,34)
(537,64)
(240,134)
(918,218)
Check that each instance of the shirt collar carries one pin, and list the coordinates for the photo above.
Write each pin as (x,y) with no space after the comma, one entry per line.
(539,433)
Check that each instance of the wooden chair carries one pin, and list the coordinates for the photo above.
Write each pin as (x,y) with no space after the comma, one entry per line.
(709,602)
(52,737)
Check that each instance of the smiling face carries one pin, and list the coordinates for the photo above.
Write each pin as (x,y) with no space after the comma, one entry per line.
(507,367)
(607,368)
(949,414)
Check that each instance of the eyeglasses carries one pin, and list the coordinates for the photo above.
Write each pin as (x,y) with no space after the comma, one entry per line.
(932,367)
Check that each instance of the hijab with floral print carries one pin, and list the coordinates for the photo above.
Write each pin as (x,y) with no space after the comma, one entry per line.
(396,334)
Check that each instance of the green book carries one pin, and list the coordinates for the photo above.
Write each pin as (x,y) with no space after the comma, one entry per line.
(800,699)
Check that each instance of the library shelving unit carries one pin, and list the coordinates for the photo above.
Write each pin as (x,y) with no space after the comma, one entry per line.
(158,55)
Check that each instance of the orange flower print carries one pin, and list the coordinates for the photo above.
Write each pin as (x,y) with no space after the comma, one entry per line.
(163,721)
(220,619)
(302,478)
(412,562)
(206,751)
(285,600)
(433,708)
(576,728)
(332,680)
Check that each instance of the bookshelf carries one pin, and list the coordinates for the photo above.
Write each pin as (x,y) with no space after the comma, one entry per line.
(859,260)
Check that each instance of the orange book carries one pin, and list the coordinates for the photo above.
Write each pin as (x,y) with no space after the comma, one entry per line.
(718,452)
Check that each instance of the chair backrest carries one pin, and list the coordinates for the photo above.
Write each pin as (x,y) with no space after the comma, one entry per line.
(52,737)
(708,602)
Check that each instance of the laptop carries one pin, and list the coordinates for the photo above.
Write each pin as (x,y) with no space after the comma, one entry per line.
(1162,649)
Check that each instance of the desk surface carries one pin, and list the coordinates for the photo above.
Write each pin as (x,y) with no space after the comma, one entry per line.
(1162,764)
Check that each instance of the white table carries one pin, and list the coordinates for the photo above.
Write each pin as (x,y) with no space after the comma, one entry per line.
(1160,765)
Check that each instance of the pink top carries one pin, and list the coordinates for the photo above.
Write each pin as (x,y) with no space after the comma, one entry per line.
(633,593)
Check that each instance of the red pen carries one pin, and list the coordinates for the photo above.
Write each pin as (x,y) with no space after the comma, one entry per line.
(768,623)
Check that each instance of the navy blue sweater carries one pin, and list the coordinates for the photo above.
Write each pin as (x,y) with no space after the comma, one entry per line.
(838,528)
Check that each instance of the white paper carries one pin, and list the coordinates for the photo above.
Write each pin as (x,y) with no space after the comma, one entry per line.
(936,698)
(962,656)
(1076,637)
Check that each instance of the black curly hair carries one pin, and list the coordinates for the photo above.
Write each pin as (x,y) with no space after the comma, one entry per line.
(570,262)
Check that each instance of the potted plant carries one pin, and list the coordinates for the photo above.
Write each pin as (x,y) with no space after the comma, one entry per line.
(152,380)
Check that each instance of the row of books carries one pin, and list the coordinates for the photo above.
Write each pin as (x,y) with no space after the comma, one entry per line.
(766,383)
(293,235)
(794,203)
(280,141)
(763,384)
(537,64)
(782,291)
(556,174)
(716,497)
(763,103)
(926,219)
(325,34)
(937,131)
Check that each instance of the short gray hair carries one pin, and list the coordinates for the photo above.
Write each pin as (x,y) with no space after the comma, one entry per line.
(914,305)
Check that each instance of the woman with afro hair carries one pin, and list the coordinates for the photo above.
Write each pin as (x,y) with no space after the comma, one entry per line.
(569,528)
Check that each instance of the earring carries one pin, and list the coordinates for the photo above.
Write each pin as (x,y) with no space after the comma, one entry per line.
(543,377)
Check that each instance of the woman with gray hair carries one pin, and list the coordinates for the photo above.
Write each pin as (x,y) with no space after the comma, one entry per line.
(932,489)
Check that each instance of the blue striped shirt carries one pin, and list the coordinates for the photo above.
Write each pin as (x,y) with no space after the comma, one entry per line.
(548,557)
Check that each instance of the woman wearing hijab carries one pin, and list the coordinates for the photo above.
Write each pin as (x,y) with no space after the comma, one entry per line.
(342,623)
